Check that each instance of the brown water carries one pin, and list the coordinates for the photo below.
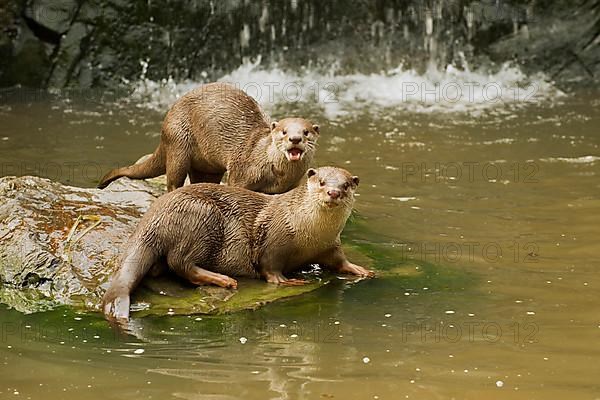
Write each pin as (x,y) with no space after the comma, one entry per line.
(500,212)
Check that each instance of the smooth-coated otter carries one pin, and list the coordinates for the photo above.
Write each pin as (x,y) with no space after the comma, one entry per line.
(207,233)
(217,128)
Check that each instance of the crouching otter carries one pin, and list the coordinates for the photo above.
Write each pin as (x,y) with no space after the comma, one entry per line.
(217,128)
(208,233)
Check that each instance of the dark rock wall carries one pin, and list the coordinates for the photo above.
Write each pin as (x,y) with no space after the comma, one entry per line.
(58,43)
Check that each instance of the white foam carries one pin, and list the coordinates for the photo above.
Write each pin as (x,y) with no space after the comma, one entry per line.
(573,160)
(499,141)
(449,90)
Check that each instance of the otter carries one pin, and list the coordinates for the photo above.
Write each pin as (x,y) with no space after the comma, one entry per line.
(217,128)
(208,233)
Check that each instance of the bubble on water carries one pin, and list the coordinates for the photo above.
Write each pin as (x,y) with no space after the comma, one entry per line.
(387,315)
(530,312)
(450,312)
(138,351)
(198,319)
(293,335)
(499,384)
(243,340)
(366,360)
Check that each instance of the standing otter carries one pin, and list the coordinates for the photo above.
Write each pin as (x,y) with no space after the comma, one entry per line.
(217,128)
(207,233)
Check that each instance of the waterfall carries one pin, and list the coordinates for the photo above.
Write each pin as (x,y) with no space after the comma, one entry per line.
(100,44)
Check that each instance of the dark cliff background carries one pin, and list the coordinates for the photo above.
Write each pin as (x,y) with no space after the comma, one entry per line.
(104,43)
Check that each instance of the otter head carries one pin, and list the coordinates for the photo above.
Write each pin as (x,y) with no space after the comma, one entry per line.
(296,138)
(332,187)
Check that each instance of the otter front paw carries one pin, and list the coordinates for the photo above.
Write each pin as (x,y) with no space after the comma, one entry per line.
(349,268)
(282,280)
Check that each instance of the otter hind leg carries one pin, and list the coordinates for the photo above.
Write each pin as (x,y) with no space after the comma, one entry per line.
(178,166)
(201,276)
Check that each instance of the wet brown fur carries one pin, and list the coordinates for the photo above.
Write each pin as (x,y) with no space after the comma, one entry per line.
(217,128)
(208,233)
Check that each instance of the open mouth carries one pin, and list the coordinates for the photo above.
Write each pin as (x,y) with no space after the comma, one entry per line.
(294,154)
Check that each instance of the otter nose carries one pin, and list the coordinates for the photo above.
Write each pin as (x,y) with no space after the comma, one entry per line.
(334,193)
(295,139)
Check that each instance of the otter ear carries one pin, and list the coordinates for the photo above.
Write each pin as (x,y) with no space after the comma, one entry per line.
(274,125)
(355,180)
(311,172)
(316,128)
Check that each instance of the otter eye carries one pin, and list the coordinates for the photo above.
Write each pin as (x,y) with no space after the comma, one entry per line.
(346,186)
(306,132)
(322,182)
(284,132)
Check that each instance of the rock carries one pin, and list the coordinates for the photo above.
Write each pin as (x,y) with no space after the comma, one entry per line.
(96,43)
(59,245)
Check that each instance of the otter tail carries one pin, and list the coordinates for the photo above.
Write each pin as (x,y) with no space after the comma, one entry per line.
(152,167)
(116,301)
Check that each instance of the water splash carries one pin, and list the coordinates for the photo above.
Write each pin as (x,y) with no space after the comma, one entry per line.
(449,90)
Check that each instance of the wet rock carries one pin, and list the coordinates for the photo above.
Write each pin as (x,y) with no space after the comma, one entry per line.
(564,43)
(59,246)
(39,252)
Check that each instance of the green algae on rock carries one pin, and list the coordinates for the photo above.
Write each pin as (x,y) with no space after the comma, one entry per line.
(167,296)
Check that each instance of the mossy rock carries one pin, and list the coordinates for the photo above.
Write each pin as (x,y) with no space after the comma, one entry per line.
(169,296)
